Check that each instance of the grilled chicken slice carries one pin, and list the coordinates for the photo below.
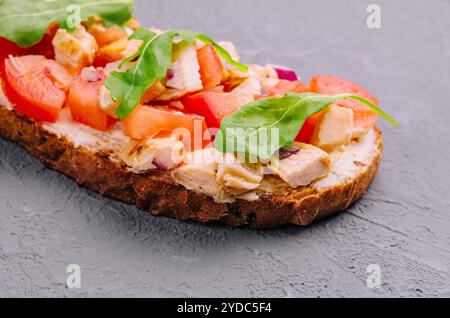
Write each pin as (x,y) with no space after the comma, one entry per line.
(199,174)
(238,178)
(185,73)
(76,49)
(198,177)
(247,90)
(162,153)
(300,169)
(334,129)
(220,176)
(106,103)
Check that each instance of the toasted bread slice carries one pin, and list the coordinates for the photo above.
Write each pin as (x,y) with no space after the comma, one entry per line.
(156,191)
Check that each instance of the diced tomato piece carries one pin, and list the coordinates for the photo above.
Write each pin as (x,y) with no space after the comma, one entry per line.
(307,130)
(59,75)
(211,67)
(111,52)
(149,121)
(213,106)
(101,60)
(285,86)
(364,117)
(105,36)
(83,100)
(36,86)
(302,88)
(45,46)
(8,48)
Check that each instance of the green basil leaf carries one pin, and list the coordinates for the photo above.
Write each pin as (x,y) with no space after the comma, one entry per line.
(262,127)
(155,59)
(25,22)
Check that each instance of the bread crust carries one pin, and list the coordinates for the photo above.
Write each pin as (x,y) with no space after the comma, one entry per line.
(156,192)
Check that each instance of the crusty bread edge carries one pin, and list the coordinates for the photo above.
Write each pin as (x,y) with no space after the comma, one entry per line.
(157,193)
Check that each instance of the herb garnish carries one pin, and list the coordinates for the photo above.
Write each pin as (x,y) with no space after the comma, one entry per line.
(25,22)
(264,126)
(154,59)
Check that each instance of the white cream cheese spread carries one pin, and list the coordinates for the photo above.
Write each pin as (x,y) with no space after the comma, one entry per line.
(349,160)
(346,162)
(82,135)
(4,101)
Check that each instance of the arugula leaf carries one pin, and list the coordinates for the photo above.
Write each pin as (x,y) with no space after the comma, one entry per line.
(140,34)
(262,127)
(25,22)
(222,52)
(154,60)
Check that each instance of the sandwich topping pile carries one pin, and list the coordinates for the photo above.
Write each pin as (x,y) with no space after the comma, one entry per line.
(178,102)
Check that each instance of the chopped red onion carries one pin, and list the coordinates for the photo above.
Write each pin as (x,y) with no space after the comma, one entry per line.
(159,165)
(264,92)
(287,152)
(170,74)
(286,74)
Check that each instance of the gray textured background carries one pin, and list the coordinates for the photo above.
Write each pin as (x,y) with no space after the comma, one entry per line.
(402,224)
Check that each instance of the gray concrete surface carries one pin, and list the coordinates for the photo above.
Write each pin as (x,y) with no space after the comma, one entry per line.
(403,223)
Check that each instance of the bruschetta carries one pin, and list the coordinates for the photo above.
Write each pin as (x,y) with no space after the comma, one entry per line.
(174,123)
